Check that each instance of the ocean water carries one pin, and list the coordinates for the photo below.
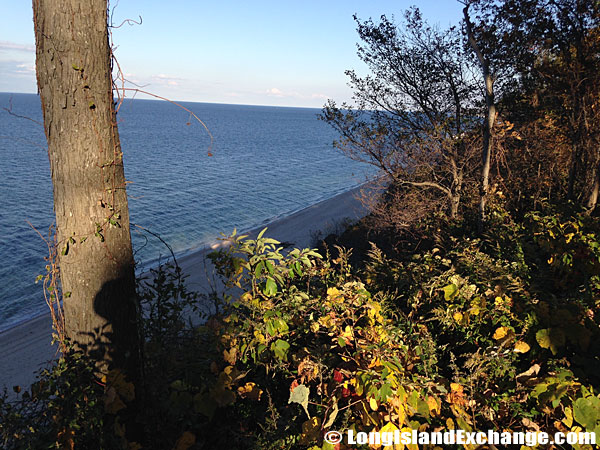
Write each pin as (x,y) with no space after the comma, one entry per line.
(267,163)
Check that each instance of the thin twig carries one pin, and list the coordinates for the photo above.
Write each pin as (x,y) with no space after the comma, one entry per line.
(161,240)
(10,111)
(180,106)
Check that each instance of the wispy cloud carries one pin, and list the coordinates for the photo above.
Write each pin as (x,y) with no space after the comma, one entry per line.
(276,92)
(7,45)
(17,68)
(25,68)
(168,80)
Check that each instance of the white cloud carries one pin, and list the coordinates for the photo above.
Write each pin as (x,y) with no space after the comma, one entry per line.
(17,68)
(275,92)
(167,80)
(25,68)
(7,45)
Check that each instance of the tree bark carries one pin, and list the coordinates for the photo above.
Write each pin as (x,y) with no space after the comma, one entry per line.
(486,155)
(592,200)
(74,76)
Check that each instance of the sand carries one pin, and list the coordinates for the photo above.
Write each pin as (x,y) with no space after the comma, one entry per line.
(26,348)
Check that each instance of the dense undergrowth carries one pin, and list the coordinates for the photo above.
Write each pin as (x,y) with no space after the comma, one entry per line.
(438,332)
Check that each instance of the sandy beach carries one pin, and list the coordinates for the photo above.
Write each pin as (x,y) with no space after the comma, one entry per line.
(26,348)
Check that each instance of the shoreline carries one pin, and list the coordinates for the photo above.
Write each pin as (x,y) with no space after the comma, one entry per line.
(210,245)
(26,346)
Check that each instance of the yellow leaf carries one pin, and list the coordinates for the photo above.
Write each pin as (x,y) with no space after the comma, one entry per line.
(412,445)
(568,420)
(260,338)
(334,294)
(249,390)
(456,396)
(477,304)
(347,335)
(373,404)
(327,321)
(521,347)
(230,356)
(401,411)
(434,407)
(391,429)
(375,362)
(500,333)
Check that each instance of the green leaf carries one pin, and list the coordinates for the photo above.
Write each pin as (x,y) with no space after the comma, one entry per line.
(261,234)
(267,241)
(298,268)
(277,326)
(270,267)
(586,411)
(300,395)
(423,408)
(450,292)
(258,269)
(270,288)
(551,338)
(385,392)
(282,326)
(280,348)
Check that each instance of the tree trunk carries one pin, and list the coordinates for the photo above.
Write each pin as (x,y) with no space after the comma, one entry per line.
(454,204)
(573,171)
(486,155)
(74,75)
(593,198)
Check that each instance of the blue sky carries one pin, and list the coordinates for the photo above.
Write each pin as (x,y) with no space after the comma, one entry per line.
(284,53)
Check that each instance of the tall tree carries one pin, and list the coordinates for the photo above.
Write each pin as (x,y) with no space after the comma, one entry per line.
(74,76)
(490,103)
(556,46)
(413,115)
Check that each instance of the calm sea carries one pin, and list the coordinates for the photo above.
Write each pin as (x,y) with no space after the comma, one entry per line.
(267,163)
